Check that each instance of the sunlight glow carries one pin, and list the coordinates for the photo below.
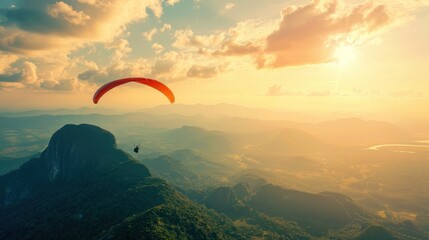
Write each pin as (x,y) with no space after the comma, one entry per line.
(345,54)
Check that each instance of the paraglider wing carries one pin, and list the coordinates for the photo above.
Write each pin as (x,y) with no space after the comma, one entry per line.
(146,81)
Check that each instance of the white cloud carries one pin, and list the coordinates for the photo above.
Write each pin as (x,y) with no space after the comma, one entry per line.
(6,60)
(149,34)
(186,38)
(152,32)
(65,11)
(11,85)
(89,2)
(175,66)
(165,27)
(58,28)
(172,2)
(121,49)
(101,75)
(157,47)
(29,74)
(229,6)
(61,27)
(66,84)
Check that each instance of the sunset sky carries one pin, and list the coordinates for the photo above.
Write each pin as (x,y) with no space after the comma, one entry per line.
(369,58)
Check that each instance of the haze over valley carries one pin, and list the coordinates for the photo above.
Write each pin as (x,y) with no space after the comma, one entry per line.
(212,158)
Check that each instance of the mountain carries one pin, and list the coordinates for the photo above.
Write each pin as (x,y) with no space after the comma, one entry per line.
(63,111)
(197,163)
(375,232)
(8,164)
(198,139)
(185,169)
(227,200)
(317,212)
(84,187)
(174,172)
(294,141)
(358,132)
(243,191)
(224,199)
(409,228)
(229,110)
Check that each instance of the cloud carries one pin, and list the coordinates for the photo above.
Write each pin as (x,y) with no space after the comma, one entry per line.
(152,32)
(6,60)
(65,11)
(162,66)
(157,47)
(89,2)
(307,34)
(10,85)
(50,34)
(246,38)
(277,90)
(229,6)
(121,49)
(175,66)
(311,33)
(186,38)
(172,2)
(31,28)
(66,84)
(198,71)
(231,48)
(26,75)
(98,75)
(24,43)
(165,27)
(149,34)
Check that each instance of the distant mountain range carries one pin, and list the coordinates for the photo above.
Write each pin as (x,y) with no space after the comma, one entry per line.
(222,117)
(63,111)
(189,137)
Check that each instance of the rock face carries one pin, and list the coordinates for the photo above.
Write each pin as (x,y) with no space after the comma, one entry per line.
(75,153)
(76,150)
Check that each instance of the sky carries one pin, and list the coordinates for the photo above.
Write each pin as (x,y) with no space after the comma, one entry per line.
(368,58)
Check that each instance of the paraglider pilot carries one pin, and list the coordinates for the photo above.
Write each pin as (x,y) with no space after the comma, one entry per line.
(136,149)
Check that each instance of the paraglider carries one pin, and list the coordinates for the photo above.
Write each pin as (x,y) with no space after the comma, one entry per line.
(136,149)
(146,81)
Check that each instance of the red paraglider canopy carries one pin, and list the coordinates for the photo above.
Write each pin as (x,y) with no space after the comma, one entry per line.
(147,81)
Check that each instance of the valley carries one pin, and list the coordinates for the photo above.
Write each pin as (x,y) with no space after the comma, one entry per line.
(273,171)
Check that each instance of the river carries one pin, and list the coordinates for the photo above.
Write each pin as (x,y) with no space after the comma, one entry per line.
(419,144)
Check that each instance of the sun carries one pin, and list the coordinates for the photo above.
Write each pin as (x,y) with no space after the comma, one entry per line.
(345,54)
